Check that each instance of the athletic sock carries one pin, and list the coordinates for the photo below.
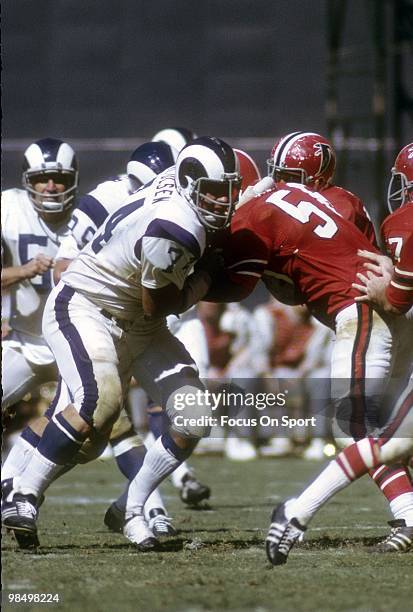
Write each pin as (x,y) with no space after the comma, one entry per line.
(349,465)
(395,483)
(160,460)
(57,447)
(20,454)
(129,454)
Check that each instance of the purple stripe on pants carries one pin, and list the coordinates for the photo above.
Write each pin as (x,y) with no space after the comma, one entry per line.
(80,355)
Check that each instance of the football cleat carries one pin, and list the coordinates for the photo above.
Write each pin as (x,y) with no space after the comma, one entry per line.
(114,518)
(137,531)
(20,516)
(192,491)
(282,535)
(160,524)
(400,539)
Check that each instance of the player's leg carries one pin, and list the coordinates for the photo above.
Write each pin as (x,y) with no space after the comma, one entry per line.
(79,337)
(291,518)
(361,365)
(129,453)
(168,374)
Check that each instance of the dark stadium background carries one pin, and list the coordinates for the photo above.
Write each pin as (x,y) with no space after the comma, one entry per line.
(106,75)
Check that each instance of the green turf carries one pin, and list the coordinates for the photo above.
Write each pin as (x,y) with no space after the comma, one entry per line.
(217,561)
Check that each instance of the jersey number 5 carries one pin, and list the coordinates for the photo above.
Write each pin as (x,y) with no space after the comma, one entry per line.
(302,212)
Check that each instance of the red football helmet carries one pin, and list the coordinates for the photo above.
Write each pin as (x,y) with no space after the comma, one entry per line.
(248,169)
(302,157)
(400,189)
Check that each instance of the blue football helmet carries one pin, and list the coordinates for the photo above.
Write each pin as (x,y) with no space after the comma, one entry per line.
(147,161)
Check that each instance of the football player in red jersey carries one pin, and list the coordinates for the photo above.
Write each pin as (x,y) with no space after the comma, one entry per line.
(296,234)
(290,518)
(310,159)
(392,292)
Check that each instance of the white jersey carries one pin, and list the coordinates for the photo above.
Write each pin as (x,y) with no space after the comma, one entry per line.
(152,240)
(91,212)
(24,235)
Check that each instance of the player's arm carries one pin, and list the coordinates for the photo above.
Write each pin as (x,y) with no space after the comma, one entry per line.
(169,285)
(12,275)
(246,257)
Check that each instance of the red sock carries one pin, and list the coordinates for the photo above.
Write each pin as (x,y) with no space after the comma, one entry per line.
(357,459)
(392,480)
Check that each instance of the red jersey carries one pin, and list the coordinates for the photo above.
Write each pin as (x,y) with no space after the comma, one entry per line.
(350,207)
(396,229)
(296,234)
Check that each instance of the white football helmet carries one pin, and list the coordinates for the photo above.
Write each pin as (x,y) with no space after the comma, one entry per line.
(47,159)
(176,138)
(206,173)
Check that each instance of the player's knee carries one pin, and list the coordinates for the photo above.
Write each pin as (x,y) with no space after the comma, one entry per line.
(92,448)
(396,448)
(109,397)
(190,412)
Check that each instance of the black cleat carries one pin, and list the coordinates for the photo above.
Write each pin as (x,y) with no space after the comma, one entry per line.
(20,516)
(282,535)
(400,539)
(192,491)
(160,524)
(114,518)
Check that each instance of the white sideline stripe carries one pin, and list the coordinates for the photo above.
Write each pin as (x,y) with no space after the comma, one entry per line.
(18,145)
(65,431)
(390,479)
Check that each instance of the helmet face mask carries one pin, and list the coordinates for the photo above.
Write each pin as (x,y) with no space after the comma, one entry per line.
(302,157)
(207,176)
(48,160)
(400,190)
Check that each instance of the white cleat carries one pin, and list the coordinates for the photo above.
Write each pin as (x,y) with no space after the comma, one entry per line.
(315,450)
(277,447)
(137,531)
(239,449)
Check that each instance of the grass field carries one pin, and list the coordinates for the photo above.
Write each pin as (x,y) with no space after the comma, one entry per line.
(217,561)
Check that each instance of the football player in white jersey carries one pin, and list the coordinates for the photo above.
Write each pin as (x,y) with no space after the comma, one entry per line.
(92,209)
(109,311)
(34,221)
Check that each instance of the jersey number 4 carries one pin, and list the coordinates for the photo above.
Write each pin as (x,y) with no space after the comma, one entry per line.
(302,211)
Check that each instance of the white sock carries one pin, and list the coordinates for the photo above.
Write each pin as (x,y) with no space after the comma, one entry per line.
(154,501)
(402,508)
(330,481)
(38,475)
(17,459)
(158,464)
(178,474)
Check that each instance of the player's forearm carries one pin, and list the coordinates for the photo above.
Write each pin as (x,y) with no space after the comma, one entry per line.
(12,275)
(170,300)
(225,292)
(60,266)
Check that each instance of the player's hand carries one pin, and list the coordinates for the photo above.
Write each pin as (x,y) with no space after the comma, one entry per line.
(213,263)
(379,264)
(38,265)
(373,288)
